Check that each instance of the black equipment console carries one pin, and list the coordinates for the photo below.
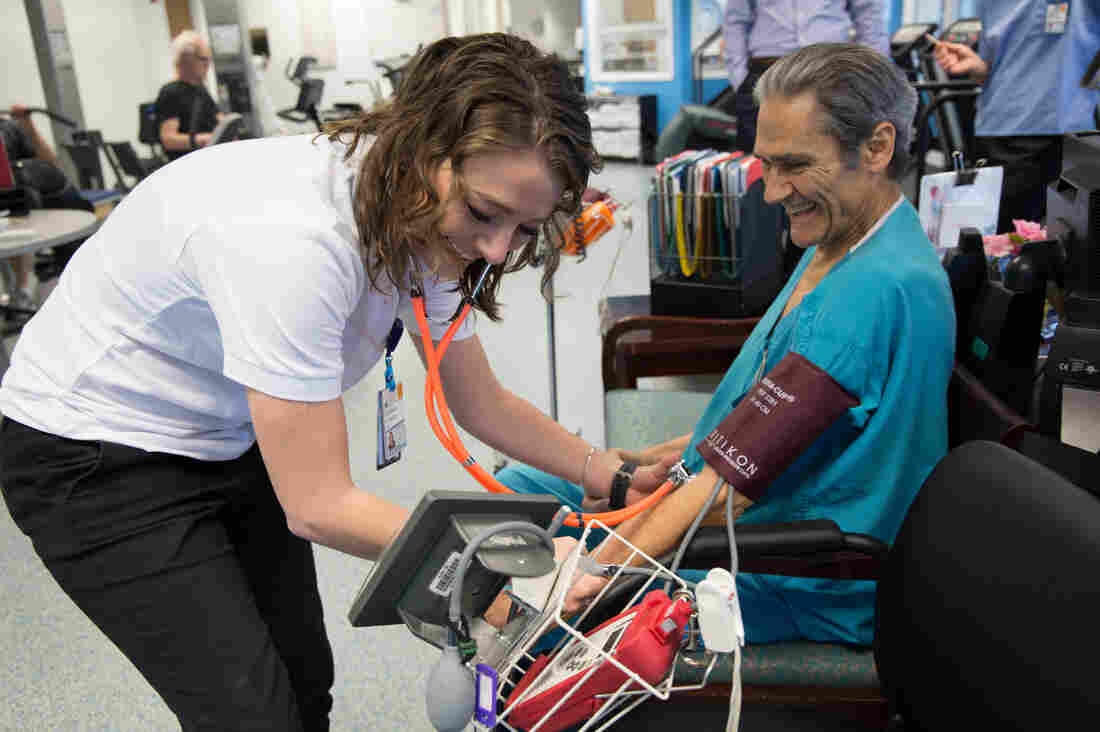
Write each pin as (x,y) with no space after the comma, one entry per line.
(1073,218)
(967,31)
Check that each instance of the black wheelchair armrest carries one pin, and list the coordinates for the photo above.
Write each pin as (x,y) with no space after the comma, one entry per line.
(814,548)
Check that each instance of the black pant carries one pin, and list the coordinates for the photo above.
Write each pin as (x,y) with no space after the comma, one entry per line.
(1031,163)
(188,567)
(746,111)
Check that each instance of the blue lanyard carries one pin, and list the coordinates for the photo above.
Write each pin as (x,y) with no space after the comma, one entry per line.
(391,344)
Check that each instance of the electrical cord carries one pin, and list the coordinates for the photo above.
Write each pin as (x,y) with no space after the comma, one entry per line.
(451,694)
(628,229)
(693,528)
(729,534)
(588,565)
(733,722)
(455,606)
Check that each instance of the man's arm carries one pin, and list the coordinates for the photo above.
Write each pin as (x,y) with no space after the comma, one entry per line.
(736,25)
(785,412)
(172,139)
(657,532)
(41,148)
(305,448)
(171,107)
(660,529)
(870,25)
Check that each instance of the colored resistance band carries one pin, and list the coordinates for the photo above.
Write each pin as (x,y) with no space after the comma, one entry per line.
(687,266)
(439,417)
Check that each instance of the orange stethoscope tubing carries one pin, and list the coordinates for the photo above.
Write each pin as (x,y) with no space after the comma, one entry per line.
(439,417)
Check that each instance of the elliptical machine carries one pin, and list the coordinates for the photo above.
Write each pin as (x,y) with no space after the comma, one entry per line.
(949,100)
(310,91)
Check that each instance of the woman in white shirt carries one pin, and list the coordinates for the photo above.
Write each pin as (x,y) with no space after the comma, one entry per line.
(176,404)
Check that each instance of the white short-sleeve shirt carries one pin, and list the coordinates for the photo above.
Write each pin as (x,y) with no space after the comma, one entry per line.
(235,266)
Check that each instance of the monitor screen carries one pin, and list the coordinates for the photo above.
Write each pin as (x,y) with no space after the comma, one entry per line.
(909,33)
(411,556)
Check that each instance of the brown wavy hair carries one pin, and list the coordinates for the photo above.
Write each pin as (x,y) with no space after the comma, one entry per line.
(462,97)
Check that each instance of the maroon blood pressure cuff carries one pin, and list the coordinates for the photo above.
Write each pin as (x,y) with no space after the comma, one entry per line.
(781,415)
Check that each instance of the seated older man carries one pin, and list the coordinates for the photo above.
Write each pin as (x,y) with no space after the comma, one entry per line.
(866,319)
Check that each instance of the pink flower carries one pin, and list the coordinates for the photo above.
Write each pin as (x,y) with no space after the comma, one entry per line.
(998,245)
(1029,230)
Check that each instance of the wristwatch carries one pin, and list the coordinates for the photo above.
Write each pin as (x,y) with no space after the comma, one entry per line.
(620,482)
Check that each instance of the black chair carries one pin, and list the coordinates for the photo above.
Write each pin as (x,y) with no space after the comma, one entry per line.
(825,685)
(149,134)
(86,145)
(127,160)
(985,613)
(987,605)
(89,169)
(976,413)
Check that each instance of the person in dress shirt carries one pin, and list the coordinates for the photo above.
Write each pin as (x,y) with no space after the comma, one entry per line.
(757,32)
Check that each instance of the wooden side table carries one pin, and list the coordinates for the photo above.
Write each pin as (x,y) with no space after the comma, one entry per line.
(637,343)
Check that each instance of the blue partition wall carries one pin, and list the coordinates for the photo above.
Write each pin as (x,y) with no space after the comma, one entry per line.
(671,95)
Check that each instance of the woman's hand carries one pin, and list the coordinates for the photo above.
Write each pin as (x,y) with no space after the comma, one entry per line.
(646,479)
(629,456)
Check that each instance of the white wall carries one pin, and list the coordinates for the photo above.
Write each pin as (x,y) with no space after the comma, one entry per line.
(363,30)
(549,25)
(121,56)
(122,51)
(20,82)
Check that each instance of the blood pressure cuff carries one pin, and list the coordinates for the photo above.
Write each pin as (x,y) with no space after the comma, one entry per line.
(780,417)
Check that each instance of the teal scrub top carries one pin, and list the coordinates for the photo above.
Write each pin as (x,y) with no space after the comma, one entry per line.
(882,324)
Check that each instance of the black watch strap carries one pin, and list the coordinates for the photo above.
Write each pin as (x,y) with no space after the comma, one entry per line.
(621,481)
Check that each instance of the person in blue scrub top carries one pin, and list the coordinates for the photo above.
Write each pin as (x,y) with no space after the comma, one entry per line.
(869,303)
(1030,61)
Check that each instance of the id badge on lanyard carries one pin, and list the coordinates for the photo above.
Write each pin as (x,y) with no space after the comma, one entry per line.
(392,433)
(1057,15)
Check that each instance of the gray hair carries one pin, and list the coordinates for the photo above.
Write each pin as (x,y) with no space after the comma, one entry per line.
(187,41)
(856,86)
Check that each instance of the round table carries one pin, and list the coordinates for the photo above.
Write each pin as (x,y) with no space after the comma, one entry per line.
(51,227)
